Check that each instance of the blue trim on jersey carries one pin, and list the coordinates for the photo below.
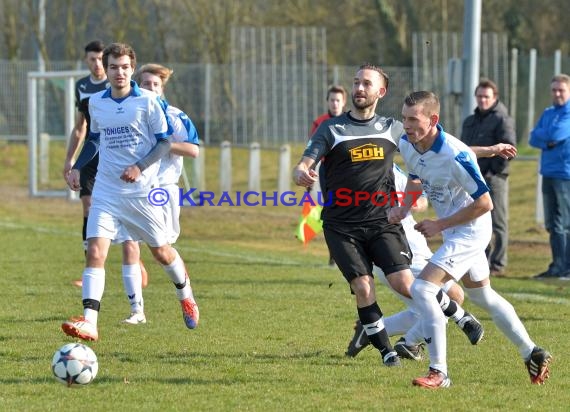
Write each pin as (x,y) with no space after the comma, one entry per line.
(135,91)
(470,166)
(439,140)
(189,126)
(413,177)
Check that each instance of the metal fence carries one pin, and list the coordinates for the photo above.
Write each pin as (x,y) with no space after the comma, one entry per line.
(227,107)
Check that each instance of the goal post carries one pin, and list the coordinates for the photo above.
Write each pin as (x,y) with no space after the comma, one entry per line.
(41,178)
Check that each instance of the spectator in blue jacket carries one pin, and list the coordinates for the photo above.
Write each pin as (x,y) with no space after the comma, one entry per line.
(552,135)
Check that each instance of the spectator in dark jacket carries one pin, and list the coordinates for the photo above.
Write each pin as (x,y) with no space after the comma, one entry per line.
(483,131)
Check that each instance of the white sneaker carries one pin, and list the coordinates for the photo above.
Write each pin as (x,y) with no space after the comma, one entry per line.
(135,318)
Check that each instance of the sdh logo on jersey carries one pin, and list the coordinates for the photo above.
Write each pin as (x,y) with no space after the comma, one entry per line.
(366,152)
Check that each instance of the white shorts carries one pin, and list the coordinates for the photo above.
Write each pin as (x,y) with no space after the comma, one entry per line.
(460,255)
(171,213)
(121,219)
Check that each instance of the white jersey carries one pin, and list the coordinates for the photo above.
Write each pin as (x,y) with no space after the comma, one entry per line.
(183,130)
(127,130)
(451,178)
(417,241)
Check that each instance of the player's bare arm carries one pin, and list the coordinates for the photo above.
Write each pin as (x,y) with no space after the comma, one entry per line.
(303,174)
(480,206)
(76,138)
(185,149)
(504,150)
(398,213)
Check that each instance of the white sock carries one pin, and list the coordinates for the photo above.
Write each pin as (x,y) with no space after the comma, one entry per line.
(176,271)
(414,335)
(132,281)
(504,316)
(399,323)
(432,322)
(93,287)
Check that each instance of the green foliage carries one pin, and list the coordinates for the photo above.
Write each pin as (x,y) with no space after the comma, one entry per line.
(275,320)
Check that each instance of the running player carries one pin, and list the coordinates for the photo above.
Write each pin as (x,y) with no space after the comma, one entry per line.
(85,87)
(462,203)
(185,142)
(130,131)
(406,322)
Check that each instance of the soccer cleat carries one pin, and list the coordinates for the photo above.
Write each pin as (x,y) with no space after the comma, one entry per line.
(404,351)
(537,365)
(359,340)
(80,328)
(391,359)
(433,380)
(135,318)
(190,313)
(471,327)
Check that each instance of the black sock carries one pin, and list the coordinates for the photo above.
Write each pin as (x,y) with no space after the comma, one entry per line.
(450,308)
(370,316)
(84,231)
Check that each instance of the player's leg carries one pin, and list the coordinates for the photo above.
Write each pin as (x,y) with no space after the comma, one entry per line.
(347,247)
(424,292)
(132,281)
(479,290)
(85,327)
(174,267)
(146,222)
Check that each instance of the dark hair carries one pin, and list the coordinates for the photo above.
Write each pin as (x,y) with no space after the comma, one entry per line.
(382,73)
(336,88)
(96,46)
(118,50)
(428,100)
(488,84)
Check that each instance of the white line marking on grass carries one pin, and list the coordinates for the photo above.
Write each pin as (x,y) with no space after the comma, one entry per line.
(533,297)
(248,257)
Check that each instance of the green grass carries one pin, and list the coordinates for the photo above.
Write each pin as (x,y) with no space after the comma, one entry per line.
(275,319)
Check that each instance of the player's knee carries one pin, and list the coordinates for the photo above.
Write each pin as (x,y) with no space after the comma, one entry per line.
(164,254)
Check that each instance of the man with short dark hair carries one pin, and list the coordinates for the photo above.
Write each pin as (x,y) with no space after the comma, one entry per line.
(488,127)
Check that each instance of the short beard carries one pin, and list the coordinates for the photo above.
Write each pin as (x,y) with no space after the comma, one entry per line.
(361,106)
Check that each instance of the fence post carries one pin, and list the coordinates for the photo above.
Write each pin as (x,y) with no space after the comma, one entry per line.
(254,167)
(284,179)
(225,166)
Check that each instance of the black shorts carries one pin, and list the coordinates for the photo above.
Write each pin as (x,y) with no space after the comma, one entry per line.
(356,248)
(87,177)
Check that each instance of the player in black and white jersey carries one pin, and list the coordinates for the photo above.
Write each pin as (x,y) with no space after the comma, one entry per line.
(359,147)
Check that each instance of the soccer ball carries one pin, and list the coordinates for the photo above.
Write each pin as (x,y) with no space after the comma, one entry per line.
(74,364)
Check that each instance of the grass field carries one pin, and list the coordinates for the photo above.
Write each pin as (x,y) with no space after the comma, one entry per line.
(275,320)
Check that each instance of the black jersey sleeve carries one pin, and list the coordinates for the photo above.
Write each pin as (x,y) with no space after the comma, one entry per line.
(320,143)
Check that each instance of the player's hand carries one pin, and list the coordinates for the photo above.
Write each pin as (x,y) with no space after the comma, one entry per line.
(67,168)
(396,214)
(131,174)
(505,150)
(72,179)
(428,228)
(305,178)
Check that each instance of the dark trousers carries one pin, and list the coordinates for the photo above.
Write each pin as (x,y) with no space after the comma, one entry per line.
(497,249)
